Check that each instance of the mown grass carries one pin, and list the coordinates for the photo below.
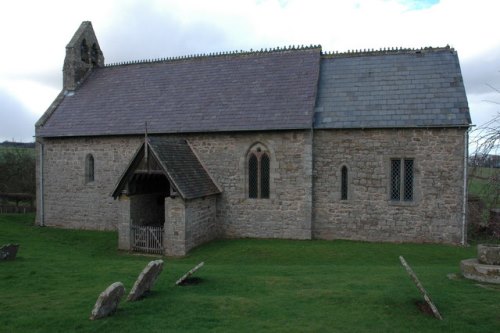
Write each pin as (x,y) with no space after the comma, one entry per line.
(246,286)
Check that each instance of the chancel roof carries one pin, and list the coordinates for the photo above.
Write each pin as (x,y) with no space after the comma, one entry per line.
(397,88)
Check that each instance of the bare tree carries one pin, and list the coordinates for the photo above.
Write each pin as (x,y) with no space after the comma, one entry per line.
(484,170)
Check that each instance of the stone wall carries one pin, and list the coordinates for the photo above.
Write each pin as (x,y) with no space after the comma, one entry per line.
(435,214)
(187,223)
(69,201)
(123,227)
(201,226)
(174,240)
(287,213)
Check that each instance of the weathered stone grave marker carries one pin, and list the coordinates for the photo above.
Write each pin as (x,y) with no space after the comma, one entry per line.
(9,251)
(146,280)
(108,301)
(188,274)
(420,287)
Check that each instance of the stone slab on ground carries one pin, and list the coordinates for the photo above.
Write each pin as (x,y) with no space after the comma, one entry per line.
(8,251)
(474,270)
(108,301)
(421,288)
(188,274)
(146,280)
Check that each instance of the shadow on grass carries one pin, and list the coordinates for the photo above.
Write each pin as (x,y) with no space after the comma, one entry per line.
(191,281)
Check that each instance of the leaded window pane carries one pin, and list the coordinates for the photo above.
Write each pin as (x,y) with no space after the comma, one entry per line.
(253,186)
(264,176)
(343,186)
(408,180)
(395,179)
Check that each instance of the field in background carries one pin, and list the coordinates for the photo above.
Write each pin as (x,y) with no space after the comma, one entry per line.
(245,286)
(485,183)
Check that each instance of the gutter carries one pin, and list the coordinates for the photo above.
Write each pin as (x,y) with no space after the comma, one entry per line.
(464,205)
(42,210)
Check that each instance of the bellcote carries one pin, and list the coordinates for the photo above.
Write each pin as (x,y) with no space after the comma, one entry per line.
(82,54)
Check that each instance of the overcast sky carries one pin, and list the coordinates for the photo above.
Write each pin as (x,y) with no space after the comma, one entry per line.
(35,34)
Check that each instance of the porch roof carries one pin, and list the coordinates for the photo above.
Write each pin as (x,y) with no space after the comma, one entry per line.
(178,163)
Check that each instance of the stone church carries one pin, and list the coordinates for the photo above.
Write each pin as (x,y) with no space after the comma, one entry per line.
(291,142)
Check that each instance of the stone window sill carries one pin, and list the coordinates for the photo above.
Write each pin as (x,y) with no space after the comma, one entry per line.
(402,203)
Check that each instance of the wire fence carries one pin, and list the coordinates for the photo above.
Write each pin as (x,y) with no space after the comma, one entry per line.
(7,209)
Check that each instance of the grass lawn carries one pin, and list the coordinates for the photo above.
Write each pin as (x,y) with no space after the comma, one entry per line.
(246,286)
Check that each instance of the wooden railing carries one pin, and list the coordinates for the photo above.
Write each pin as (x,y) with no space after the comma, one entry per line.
(147,239)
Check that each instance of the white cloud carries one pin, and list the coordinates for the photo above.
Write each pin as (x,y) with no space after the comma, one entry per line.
(38,31)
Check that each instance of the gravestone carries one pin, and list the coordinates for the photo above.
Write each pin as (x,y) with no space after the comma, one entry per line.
(433,309)
(188,274)
(108,301)
(9,251)
(146,280)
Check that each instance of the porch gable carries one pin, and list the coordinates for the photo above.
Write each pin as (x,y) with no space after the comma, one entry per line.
(174,159)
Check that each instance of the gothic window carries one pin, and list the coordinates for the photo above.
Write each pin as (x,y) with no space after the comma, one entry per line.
(84,51)
(253,176)
(259,166)
(402,180)
(89,168)
(343,183)
(264,176)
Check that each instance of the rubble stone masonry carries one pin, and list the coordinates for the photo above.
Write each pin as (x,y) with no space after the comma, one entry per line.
(301,206)
(71,203)
(434,215)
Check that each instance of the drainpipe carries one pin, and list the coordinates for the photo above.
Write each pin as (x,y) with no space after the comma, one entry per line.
(464,208)
(42,212)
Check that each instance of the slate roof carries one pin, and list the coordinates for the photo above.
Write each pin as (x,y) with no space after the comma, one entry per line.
(183,167)
(269,90)
(230,92)
(407,88)
(180,165)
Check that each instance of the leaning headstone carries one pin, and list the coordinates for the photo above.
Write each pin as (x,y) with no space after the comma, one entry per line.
(188,274)
(146,280)
(108,301)
(420,287)
(9,251)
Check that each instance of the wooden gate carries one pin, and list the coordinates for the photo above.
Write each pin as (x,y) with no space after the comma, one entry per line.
(147,239)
